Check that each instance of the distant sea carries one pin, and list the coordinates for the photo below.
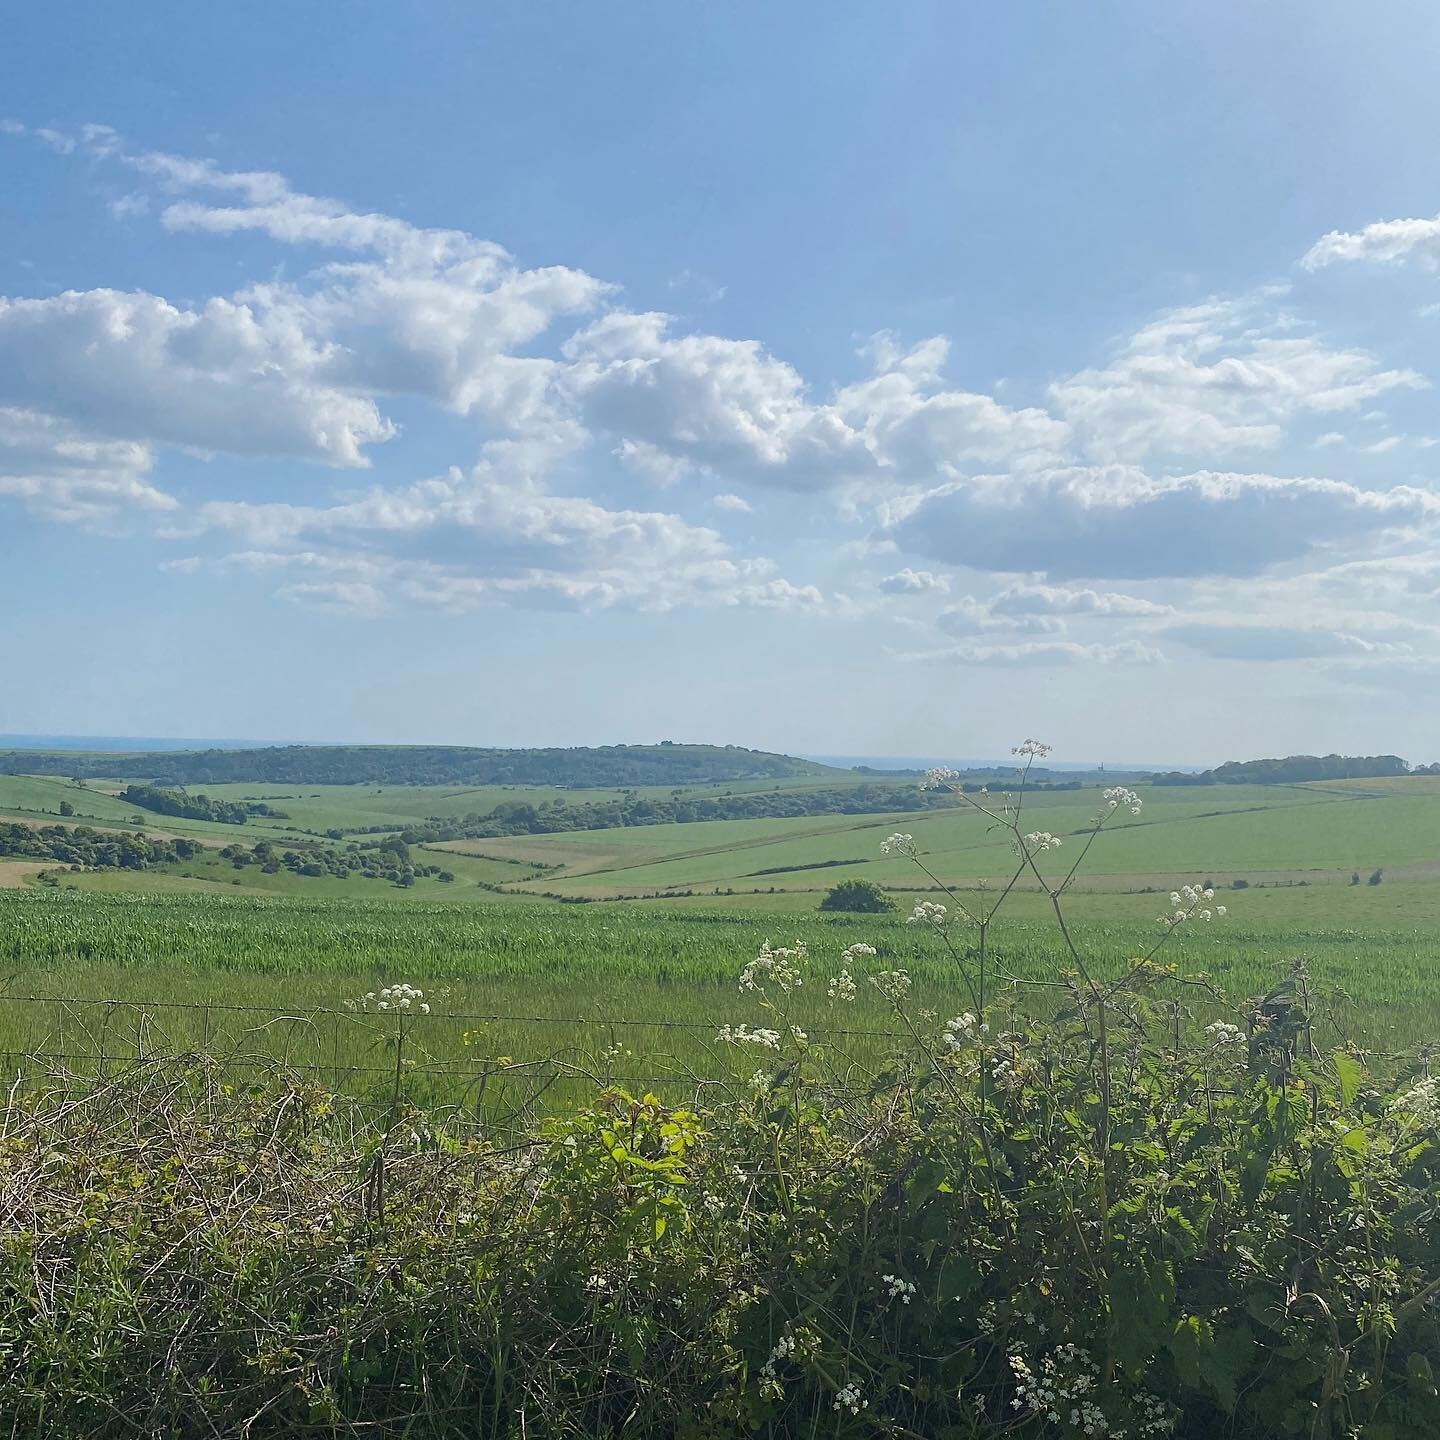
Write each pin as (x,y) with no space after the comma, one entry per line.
(123,743)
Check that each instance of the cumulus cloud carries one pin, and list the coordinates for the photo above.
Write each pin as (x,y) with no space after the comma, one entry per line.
(60,474)
(1215,377)
(492,535)
(915,582)
(1120,523)
(95,385)
(1064,600)
(1384,242)
(226,377)
(969,616)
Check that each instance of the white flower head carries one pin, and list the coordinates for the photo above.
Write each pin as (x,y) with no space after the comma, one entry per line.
(898,844)
(744,1035)
(1118,797)
(927,912)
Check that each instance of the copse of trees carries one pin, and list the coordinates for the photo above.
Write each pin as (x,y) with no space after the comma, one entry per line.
(93,849)
(195,807)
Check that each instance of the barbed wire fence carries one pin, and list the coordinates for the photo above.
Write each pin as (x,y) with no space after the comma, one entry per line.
(481,1075)
(495,1070)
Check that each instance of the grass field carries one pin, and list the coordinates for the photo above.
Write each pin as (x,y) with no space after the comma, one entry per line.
(663,970)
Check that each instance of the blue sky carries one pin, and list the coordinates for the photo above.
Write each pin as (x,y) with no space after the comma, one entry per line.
(834,378)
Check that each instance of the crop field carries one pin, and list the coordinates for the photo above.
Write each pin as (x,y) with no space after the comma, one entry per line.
(655,977)
(1322,835)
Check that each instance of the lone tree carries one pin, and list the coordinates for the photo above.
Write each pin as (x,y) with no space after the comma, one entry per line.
(858,897)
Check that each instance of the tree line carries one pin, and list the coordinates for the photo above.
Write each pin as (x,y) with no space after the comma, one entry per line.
(196,807)
(554,816)
(582,767)
(1297,769)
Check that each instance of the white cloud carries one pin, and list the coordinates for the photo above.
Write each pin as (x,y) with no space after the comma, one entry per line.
(1119,523)
(651,463)
(226,377)
(1064,600)
(493,535)
(969,616)
(1046,653)
(733,503)
(1222,376)
(726,405)
(1273,642)
(1384,242)
(915,582)
(61,474)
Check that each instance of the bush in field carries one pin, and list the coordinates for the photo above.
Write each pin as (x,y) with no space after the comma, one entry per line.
(858,897)
(1100,1205)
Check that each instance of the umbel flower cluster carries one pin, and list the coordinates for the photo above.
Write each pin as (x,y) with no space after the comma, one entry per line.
(398,997)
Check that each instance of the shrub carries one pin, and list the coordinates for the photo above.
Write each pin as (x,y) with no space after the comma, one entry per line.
(1375,877)
(858,897)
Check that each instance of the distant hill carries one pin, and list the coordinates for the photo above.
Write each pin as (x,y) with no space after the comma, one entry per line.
(1296,770)
(600,767)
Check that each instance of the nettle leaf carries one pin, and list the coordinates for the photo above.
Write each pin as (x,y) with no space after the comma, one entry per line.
(1351,1074)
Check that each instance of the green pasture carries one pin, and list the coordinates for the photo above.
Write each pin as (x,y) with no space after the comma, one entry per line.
(1227,832)
(571,980)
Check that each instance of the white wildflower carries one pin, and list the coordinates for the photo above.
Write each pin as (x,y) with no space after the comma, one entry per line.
(1042,840)
(1118,797)
(938,777)
(1224,1033)
(926,912)
(775,967)
(898,843)
(394,997)
(894,985)
(898,1289)
(1192,902)
(1422,1100)
(848,1397)
(784,1348)
(964,1030)
(852,953)
(744,1035)
(1031,749)
(842,987)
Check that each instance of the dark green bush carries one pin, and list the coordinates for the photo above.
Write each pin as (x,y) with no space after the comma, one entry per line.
(860,897)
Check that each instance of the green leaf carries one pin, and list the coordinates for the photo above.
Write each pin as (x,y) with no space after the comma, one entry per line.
(1350,1073)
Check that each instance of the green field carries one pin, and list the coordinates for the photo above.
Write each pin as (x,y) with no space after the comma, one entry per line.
(663,969)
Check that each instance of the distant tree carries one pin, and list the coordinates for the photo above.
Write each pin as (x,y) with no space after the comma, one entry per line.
(1375,877)
(857,897)
(66,808)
